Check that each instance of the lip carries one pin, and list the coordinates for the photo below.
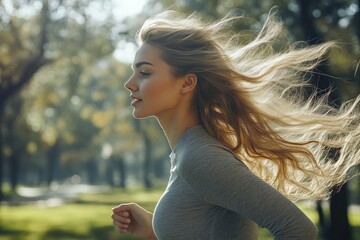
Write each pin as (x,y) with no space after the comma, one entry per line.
(135,100)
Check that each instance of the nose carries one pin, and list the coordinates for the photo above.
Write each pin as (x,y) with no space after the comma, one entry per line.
(131,84)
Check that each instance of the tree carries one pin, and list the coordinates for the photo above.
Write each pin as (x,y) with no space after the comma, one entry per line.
(339,222)
(29,58)
(65,30)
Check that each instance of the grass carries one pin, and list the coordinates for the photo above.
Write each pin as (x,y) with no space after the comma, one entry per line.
(86,218)
(71,221)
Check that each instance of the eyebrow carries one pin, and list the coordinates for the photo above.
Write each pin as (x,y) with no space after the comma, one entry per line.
(137,65)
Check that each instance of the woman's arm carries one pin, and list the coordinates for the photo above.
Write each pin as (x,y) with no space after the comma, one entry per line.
(224,181)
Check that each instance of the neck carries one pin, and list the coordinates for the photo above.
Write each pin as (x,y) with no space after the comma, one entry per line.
(175,125)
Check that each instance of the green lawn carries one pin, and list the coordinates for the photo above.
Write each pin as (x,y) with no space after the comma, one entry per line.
(87,218)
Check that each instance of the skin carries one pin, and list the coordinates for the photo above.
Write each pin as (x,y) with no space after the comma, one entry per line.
(156,92)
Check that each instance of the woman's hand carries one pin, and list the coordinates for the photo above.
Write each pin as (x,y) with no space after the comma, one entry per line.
(131,218)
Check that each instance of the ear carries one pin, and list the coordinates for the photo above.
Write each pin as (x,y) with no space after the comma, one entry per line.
(189,83)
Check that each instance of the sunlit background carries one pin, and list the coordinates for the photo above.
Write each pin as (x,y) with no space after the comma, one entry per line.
(69,147)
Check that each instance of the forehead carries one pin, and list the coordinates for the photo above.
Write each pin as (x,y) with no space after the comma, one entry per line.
(148,53)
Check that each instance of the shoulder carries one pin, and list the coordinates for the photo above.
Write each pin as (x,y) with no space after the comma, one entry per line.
(199,151)
(196,142)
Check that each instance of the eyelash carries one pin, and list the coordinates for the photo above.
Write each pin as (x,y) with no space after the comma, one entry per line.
(144,74)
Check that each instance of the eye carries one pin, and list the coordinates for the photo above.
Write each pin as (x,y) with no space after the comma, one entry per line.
(144,74)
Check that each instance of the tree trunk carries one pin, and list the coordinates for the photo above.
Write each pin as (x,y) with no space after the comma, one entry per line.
(322,223)
(14,107)
(339,223)
(14,170)
(356,20)
(9,86)
(53,159)
(92,171)
(122,172)
(147,161)
(110,175)
(2,161)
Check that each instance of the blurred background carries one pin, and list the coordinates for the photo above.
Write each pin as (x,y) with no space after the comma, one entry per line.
(69,147)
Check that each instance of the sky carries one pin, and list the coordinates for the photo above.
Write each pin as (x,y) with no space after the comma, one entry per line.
(125,51)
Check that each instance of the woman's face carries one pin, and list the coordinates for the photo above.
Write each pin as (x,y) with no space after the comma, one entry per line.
(154,89)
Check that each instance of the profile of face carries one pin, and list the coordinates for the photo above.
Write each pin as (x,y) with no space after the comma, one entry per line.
(155,91)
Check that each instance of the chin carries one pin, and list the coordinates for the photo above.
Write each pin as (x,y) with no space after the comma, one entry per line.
(139,115)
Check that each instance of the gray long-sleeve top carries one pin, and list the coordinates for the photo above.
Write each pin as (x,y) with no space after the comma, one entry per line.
(212,195)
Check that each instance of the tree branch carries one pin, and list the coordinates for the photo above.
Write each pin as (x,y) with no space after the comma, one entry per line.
(33,65)
(15,33)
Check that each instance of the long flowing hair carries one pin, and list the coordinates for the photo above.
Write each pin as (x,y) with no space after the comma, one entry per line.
(252,99)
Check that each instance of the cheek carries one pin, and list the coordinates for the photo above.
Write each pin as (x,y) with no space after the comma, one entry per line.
(152,90)
(159,90)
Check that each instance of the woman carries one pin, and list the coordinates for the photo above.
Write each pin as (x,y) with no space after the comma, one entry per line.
(245,141)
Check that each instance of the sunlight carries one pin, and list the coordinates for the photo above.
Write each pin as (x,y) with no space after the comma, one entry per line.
(125,8)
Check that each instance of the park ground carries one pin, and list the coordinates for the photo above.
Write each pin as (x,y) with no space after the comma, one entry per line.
(83,212)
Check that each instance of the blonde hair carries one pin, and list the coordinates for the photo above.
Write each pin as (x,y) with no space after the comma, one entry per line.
(251,98)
